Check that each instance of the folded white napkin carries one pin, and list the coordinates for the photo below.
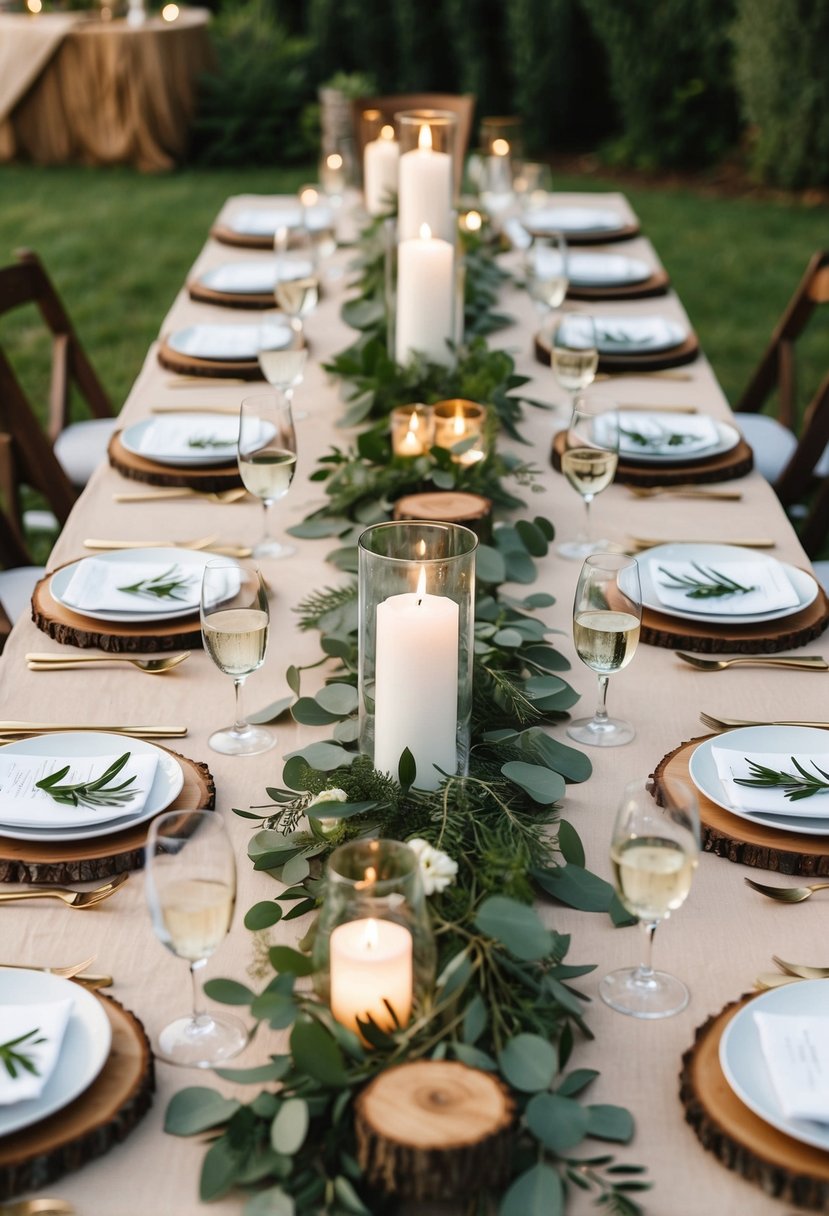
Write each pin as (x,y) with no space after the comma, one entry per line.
(49,1019)
(243,276)
(771,588)
(96,585)
(192,436)
(645,434)
(23,805)
(795,1048)
(264,221)
(731,764)
(229,342)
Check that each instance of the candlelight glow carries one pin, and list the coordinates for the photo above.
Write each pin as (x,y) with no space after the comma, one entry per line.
(473,221)
(34,6)
(424,139)
(421,584)
(309,197)
(500,147)
(425,232)
(387,132)
(371,936)
(459,425)
(170,12)
(369,879)
(334,161)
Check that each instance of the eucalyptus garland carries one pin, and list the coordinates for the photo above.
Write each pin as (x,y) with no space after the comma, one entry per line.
(489,843)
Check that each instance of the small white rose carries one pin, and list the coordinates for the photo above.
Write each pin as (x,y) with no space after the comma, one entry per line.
(329,825)
(332,795)
(437,869)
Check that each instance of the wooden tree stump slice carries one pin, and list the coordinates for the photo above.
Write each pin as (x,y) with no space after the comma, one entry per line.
(748,843)
(241,240)
(591,236)
(207,479)
(231,299)
(102,857)
(790,1171)
(95,1122)
(726,466)
(767,637)
(656,285)
(434,1129)
(655,361)
(448,507)
(189,365)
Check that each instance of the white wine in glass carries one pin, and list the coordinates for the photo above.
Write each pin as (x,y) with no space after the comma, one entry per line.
(588,461)
(574,354)
(191,892)
(234,625)
(266,457)
(297,284)
(546,273)
(654,852)
(607,615)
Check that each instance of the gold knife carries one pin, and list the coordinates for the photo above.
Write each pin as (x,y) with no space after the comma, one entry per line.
(654,408)
(195,409)
(42,728)
(645,375)
(651,542)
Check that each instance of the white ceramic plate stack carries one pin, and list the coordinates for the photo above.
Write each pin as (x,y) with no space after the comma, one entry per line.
(637,335)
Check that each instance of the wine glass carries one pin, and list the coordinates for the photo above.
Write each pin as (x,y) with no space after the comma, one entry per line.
(588,461)
(234,628)
(573,352)
(532,183)
(191,891)
(297,285)
(319,211)
(654,851)
(283,367)
(266,456)
(546,273)
(607,613)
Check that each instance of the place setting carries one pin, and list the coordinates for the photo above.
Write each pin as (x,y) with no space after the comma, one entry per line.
(667,448)
(189,450)
(626,343)
(581,225)
(596,276)
(221,351)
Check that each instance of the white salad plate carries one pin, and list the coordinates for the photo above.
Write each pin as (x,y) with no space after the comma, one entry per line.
(754,740)
(166,787)
(741,1057)
(84,1050)
(264,221)
(597,269)
(804,585)
(253,278)
(229,342)
(729,437)
(198,425)
(573,220)
(637,335)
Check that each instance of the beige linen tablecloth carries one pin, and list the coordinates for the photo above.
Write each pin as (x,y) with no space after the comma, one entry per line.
(718,942)
(110,94)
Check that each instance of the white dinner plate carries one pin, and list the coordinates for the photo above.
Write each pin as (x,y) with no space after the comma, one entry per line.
(745,1069)
(573,219)
(751,740)
(253,278)
(264,221)
(804,585)
(200,424)
(729,437)
(83,1053)
(229,342)
(597,269)
(167,784)
(637,335)
(192,560)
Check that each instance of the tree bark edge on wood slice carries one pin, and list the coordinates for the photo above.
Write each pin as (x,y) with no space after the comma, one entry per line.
(207,479)
(449,507)
(434,1129)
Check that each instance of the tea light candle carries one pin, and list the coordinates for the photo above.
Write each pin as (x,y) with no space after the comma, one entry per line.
(425,190)
(425,298)
(371,963)
(381,160)
(416,683)
(332,174)
(412,430)
(457,420)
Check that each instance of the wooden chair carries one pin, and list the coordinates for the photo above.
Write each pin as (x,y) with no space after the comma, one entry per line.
(18,575)
(77,447)
(461,104)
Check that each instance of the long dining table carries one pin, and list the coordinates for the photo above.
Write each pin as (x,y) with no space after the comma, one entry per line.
(718,942)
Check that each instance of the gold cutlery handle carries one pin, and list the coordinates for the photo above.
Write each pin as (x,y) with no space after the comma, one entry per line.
(196,409)
(54,659)
(128,544)
(144,732)
(653,408)
(8,897)
(153,495)
(753,542)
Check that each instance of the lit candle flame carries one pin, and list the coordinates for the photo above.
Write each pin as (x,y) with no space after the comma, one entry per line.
(473,221)
(309,197)
(334,161)
(459,425)
(372,937)
(387,132)
(500,147)
(425,232)
(421,584)
(369,879)
(169,12)
(34,6)
(424,139)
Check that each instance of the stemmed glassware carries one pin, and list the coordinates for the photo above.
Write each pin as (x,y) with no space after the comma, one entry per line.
(234,626)
(297,284)
(654,851)
(191,893)
(607,614)
(283,367)
(267,458)
(532,183)
(574,353)
(588,461)
(546,273)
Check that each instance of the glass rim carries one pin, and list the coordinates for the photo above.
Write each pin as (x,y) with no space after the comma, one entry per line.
(366,848)
(447,118)
(464,533)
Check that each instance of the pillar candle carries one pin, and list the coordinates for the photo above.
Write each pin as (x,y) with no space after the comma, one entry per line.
(425,190)
(416,684)
(371,963)
(381,158)
(425,298)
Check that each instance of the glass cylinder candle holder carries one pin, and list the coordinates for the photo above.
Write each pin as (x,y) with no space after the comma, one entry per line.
(416,614)
(412,429)
(374,947)
(427,172)
(381,158)
(461,422)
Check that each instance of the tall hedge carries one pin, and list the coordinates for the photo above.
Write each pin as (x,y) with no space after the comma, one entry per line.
(781,50)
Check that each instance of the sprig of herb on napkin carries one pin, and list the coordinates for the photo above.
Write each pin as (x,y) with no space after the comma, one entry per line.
(13,1060)
(166,585)
(712,585)
(208,441)
(795,788)
(92,793)
(663,438)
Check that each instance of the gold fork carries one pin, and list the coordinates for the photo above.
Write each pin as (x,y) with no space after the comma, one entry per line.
(729,723)
(64,973)
(813,662)
(38,1207)
(74,899)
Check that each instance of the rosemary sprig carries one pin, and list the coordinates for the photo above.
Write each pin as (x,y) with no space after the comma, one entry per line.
(663,438)
(13,1060)
(164,586)
(795,788)
(208,441)
(91,793)
(712,585)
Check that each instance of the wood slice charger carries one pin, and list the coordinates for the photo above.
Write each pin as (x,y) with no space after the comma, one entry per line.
(93,858)
(655,361)
(208,479)
(747,842)
(189,365)
(434,1129)
(656,284)
(230,299)
(784,1168)
(726,466)
(95,1122)
(587,236)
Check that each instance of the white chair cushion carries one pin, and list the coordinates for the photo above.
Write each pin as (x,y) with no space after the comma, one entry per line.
(16,587)
(82,446)
(772,443)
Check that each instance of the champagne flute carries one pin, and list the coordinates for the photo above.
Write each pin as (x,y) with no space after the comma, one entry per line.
(589,460)
(234,627)
(607,613)
(267,459)
(191,891)
(573,353)
(297,285)
(654,851)
(546,273)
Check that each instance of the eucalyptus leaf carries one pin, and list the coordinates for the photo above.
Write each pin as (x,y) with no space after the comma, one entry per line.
(517,926)
(272,712)
(576,1081)
(569,842)
(572,764)
(197,1109)
(489,565)
(324,757)
(317,1053)
(542,784)
(272,1202)
(536,1192)
(347,731)
(338,699)
(308,712)
(508,637)
(610,1123)
(318,528)
(263,915)
(349,1198)
(284,958)
(228,992)
(528,1062)
(290,1127)
(576,887)
(547,657)
(474,1020)
(520,567)
(473,1057)
(557,1122)
(276,1008)
(275,1070)
(338,810)
(533,538)
(219,1169)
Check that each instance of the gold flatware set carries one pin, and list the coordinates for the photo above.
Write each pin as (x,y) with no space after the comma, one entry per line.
(38,1207)
(76,972)
(787,895)
(730,723)
(640,543)
(73,899)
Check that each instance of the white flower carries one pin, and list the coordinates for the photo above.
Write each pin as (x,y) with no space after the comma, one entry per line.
(328,826)
(332,795)
(437,869)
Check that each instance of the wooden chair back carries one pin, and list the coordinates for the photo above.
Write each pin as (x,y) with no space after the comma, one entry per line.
(461,104)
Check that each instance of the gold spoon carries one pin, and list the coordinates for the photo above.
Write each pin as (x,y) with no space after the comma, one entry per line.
(806,662)
(74,899)
(682,491)
(153,667)
(800,970)
(786,895)
(38,1207)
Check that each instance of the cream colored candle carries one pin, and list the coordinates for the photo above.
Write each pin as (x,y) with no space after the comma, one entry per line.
(458,420)
(412,429)
(425,298)
(371,964)
(381,159)
(425,190)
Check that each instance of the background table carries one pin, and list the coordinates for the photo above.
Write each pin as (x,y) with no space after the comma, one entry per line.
(77,89)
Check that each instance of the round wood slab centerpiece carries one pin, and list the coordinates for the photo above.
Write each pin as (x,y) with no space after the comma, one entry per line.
(448,507)
(434,1129)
